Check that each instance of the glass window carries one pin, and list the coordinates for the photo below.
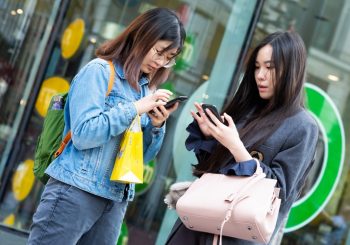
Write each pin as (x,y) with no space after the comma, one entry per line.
(23,30)
(25,27)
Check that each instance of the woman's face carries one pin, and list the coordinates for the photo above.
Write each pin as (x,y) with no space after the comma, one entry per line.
(156,58)
(265,72)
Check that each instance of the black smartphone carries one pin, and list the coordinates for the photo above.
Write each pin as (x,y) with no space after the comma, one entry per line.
(213,109)
(172,102)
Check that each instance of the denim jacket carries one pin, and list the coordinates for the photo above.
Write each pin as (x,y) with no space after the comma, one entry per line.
(97,124)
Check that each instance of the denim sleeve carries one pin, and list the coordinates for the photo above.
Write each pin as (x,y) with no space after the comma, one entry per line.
(91,125)
(152,141)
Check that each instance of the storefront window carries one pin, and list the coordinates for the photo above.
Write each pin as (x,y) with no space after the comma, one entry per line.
(324,27)
(25,28)
(23,31)
(230,22)
(217,32)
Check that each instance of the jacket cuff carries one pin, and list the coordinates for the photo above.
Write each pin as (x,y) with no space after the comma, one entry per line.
(196,140)
(158,130)
(246,168)
(130,111)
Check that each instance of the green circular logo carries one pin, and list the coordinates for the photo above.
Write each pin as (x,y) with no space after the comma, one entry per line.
(327,115)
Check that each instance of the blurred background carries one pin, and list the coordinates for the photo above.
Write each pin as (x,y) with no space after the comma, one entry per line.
(43,44)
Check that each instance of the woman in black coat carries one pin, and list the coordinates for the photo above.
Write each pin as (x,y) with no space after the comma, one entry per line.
(266,120)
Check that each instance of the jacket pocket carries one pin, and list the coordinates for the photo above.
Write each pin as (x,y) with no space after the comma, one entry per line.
(115,99)
(91,161)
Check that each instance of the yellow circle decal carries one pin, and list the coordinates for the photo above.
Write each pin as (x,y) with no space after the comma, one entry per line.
(72,38)
(23,180)
(9,220)
(49,88)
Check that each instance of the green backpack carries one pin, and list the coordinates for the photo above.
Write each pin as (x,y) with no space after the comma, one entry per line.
(50,144)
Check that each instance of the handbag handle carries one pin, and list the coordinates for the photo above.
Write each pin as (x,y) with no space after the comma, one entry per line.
(234,198)
(135,124)
(257,176)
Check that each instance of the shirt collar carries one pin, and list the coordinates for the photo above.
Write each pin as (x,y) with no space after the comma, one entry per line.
(119,70)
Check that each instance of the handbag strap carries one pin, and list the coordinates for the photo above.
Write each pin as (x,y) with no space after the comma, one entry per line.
(257,176)
(215,239)
(235,198)
(135,124)
(68,136)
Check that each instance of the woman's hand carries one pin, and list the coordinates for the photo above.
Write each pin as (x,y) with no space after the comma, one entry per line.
(201,120)
(147,103)
(227,135)
(160,114)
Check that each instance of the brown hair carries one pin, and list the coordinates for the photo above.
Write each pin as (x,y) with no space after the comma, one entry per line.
(133,44)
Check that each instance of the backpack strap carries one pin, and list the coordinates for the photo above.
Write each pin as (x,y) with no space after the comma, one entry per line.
(111,77)
(68,136)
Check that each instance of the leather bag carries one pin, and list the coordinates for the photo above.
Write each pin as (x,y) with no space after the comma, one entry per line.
(234,206)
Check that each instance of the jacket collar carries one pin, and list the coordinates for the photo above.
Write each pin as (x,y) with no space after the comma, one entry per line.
(120,72)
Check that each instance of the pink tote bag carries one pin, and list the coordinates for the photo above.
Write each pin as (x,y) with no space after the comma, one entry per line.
(234,206)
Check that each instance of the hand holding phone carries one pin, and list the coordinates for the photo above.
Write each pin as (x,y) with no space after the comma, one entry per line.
(214,110)
(172,102)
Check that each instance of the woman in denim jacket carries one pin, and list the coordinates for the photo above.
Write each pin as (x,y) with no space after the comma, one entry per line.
(79,203)
(266,120)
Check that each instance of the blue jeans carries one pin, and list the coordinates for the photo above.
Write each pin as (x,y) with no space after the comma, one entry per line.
(68,215)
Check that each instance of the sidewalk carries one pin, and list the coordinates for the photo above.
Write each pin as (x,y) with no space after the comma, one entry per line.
(11,236)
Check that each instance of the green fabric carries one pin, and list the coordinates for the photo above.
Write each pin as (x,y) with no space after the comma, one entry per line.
(49,140)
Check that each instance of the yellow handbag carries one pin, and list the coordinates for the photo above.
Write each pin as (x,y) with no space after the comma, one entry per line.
(128,166)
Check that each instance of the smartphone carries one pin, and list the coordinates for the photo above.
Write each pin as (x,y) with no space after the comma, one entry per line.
(172,102)
(213,109)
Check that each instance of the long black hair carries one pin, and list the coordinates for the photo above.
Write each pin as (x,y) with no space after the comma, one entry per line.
(289,60)
(133,44)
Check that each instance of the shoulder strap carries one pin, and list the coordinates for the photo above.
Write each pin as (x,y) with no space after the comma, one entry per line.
(68,136)
(111,77)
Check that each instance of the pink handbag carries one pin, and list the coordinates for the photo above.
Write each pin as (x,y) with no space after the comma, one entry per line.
(246,206)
